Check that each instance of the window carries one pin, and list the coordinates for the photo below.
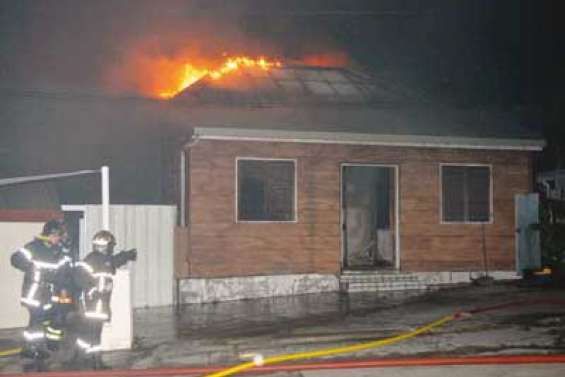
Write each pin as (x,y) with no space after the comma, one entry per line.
(266,190)
(465,193)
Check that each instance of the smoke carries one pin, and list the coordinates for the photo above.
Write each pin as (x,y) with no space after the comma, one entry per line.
(116,45)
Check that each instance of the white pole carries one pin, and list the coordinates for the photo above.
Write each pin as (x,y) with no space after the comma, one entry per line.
(105,172)
(182,187)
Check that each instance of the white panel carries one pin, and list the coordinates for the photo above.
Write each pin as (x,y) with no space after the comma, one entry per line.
(13,235)
(166,280)
(142,282)
(149,229)
(118,333)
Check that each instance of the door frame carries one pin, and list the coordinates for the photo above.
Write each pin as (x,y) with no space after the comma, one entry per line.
(395,168)
(83,245)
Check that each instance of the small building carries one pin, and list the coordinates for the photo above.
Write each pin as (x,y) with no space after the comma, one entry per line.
(302,179)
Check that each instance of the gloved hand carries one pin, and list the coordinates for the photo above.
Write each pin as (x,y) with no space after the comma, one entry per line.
(131,254)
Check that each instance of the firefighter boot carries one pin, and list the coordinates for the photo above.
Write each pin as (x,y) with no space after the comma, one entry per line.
(98,363)
(75,362)
(34,352)
(37,358)
(35,366)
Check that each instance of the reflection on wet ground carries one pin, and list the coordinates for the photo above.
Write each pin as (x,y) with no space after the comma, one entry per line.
(269,316)
(216,334)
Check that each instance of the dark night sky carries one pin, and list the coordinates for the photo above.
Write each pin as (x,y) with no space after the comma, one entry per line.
(470,53)
(473,51)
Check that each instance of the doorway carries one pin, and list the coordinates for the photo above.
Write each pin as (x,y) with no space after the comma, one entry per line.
(369,217)
(528,254)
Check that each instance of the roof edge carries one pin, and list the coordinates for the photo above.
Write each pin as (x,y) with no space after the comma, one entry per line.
(311,137)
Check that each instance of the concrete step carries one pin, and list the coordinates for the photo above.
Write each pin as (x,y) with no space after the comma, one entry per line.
(378,281)
(380,278)
(384,286)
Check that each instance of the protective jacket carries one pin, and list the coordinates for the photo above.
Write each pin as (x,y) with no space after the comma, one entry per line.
(94,275)
(44,266)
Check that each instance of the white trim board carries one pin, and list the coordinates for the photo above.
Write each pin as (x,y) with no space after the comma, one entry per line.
(422,141)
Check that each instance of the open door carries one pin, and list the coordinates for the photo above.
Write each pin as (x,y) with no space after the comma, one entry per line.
(528,253)
(369,217)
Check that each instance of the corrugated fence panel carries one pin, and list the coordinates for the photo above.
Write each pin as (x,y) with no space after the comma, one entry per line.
(149,229)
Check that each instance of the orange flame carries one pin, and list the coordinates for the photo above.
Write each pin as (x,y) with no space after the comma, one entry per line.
(189,74)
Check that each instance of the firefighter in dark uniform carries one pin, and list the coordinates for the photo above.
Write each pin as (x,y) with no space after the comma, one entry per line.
(44,266)
(64,297)
(94,275)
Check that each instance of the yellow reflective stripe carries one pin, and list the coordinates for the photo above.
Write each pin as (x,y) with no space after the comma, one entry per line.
(53,336)
(53,330)
(51,266)
(87,347)
(28,301)
(28,335)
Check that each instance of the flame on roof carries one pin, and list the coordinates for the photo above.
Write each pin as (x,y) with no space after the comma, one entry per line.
(189,74)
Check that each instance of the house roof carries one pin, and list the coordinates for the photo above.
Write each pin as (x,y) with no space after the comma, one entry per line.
(293,84)
(312,104)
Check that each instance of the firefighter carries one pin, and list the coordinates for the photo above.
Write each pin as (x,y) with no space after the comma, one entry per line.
(43,265)
(64,289)
(94,275)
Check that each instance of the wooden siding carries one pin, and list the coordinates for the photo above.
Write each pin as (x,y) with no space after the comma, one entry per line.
(220,247)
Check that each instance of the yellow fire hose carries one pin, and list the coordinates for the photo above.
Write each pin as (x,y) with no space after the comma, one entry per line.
(10,352)
(260,361)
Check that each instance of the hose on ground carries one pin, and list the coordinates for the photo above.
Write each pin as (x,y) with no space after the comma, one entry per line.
(259,361)
(10,352)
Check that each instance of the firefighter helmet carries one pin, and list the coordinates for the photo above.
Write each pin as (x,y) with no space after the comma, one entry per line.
(104,241)
(53,227)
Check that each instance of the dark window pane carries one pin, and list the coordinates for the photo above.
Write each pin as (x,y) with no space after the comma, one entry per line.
(453,193)
(265,190)
(478,182)
(466,193)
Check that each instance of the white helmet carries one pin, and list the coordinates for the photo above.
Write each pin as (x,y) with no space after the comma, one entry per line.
(104,242)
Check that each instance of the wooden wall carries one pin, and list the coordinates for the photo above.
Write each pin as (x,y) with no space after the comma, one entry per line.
(220,247)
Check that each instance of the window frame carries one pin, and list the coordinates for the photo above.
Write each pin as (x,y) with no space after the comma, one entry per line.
(491,191)
(295,188)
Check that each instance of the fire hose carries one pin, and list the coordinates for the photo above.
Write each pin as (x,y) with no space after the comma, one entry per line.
(259,361)
(262,364)
(10,352)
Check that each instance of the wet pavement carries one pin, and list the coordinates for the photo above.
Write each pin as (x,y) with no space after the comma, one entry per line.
(217,334)
(451,371)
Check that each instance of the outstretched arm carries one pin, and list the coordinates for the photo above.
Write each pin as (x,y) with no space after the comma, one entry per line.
(123,257)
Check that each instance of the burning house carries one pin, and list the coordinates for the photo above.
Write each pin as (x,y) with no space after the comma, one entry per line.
(302,179)
(291,178)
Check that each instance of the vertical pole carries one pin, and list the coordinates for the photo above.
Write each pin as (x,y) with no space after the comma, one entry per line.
(182,188)
(485,254)
(105,172)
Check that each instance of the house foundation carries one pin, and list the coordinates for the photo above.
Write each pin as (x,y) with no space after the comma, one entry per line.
(202,290)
